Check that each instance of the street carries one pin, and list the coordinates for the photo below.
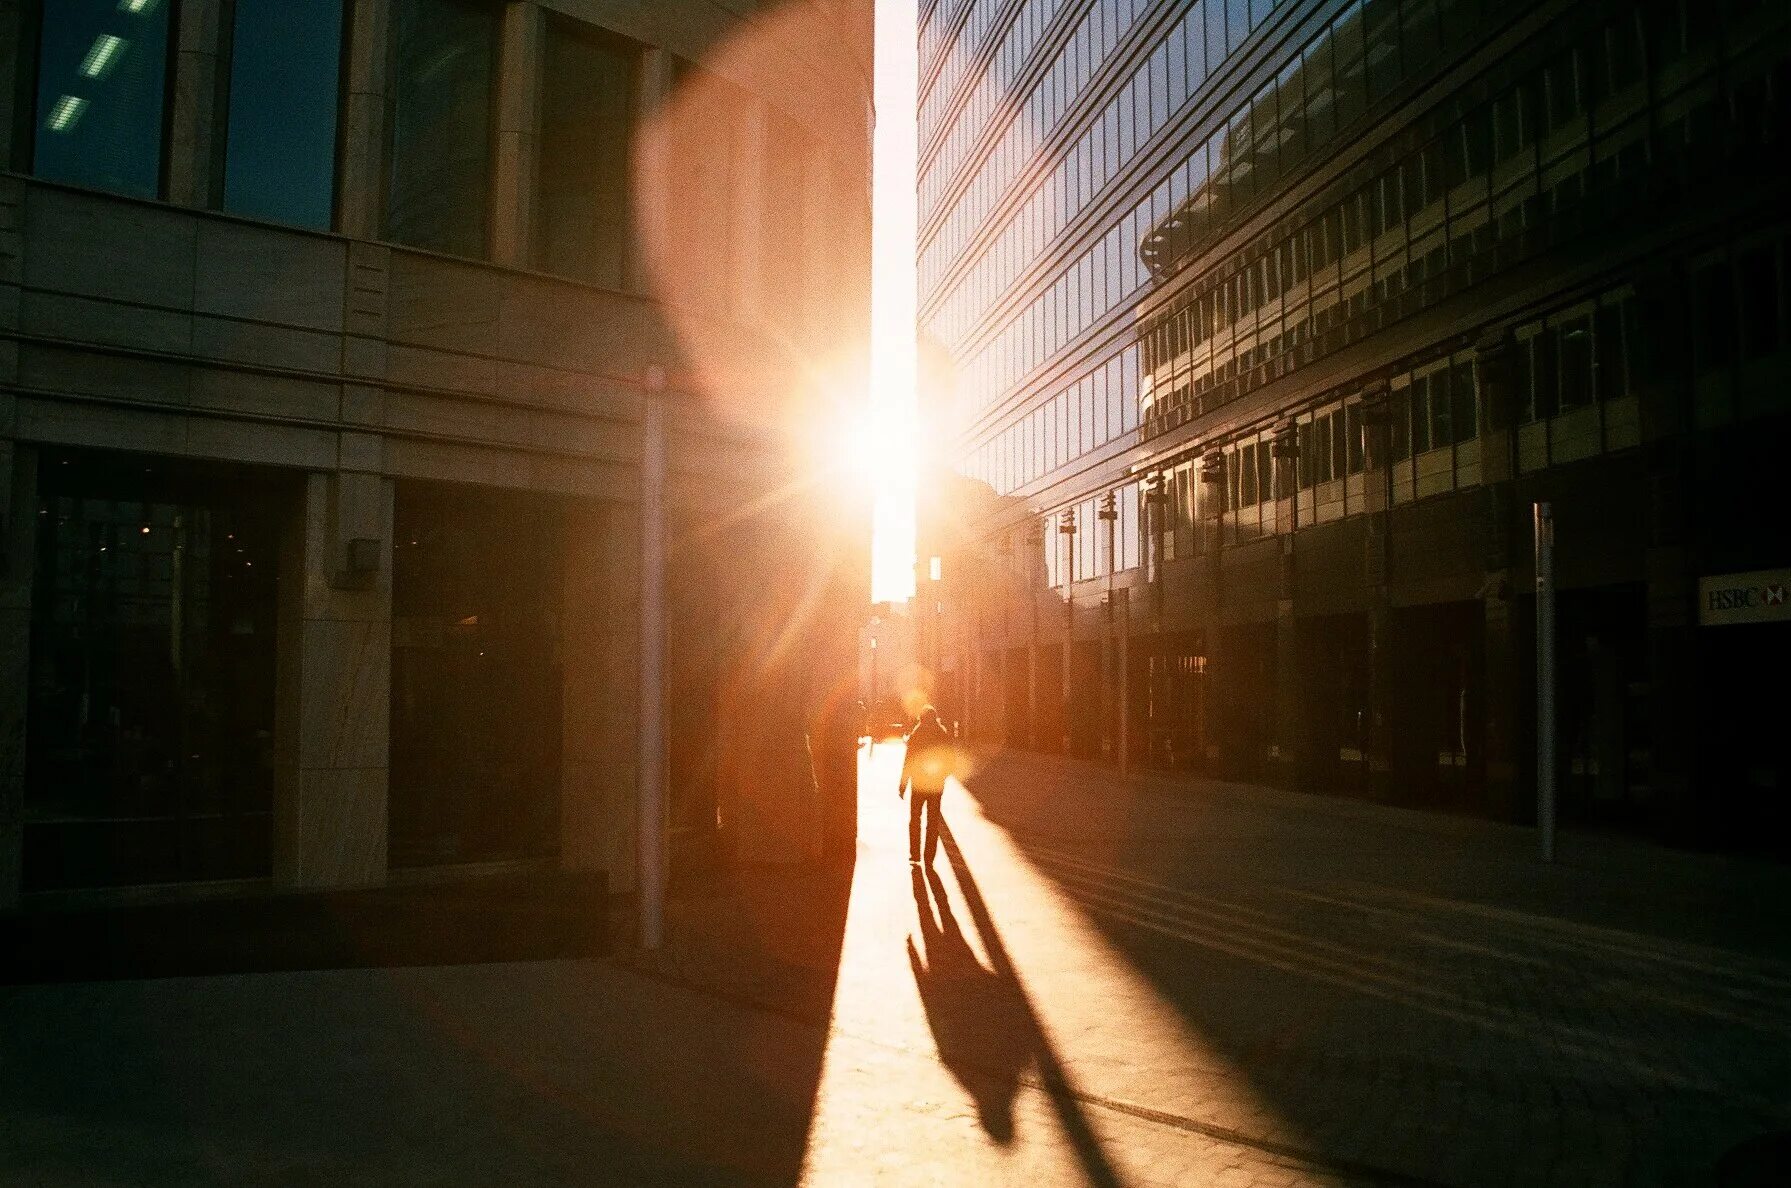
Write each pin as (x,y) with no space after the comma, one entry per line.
(1187,983)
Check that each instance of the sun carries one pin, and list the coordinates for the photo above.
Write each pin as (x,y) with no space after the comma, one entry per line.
(879,450)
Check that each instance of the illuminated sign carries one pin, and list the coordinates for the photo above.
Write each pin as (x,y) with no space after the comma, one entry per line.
(1757,597)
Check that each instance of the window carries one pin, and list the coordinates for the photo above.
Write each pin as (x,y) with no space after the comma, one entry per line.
(101,90)
(586,90)
(280,143)
(1713,318)
(1575,350)
(444,56)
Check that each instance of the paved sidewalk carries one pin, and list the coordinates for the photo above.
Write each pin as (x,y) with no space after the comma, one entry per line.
(1345,990)
(1163,984)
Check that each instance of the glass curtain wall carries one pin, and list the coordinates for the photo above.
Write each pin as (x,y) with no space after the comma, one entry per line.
(442,72)
(284,80)
(102,88)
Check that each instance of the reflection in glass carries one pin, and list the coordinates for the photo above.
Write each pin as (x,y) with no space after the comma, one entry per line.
(150,749)
(444,55)
(476,715)
(586,87)
(101,89)
(280,148)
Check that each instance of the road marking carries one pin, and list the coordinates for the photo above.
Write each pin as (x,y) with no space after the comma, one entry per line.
(1701,958)
(1468,1014)
(1300,954)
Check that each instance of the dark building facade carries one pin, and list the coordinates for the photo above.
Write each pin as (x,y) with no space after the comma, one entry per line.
(1263,326)
(333,339)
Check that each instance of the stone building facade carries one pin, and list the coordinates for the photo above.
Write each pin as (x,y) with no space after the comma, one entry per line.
(1262,326)
(327,335)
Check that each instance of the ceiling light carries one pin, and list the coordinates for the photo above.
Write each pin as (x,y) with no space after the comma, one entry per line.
(65,113)
(104,54)
(136,7)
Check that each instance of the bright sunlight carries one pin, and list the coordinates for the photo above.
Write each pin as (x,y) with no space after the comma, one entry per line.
(886,446)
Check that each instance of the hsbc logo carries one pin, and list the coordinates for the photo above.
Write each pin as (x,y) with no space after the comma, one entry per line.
(1744,598)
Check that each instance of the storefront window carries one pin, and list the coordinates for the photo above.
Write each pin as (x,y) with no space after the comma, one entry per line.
(149,755)
(280,146)
(101,89)
(476,711)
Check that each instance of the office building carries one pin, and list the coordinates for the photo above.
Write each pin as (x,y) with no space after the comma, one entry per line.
(333,341)
(1261,327)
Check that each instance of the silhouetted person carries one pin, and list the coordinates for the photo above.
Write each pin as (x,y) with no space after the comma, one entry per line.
(924,769)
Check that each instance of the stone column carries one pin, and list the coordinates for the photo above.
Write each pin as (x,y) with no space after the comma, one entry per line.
(652,200)
(1507,696)
(1284,752)
(599,642)
(1034,728)
(1382,645)
(361,183)
(518,116)
(18,537)
(195,127)
(333,698)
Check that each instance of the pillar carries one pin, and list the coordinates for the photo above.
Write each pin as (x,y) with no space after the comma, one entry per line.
(195,130)
(333,700)
(1508,693)
(361,182)
(1034,733)
(1289,725)
(18,532)
(1383,689)
(1124,683)
(518,116)
(600,640)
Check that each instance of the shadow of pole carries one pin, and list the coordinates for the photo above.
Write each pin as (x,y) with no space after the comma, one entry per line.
(1052,1077)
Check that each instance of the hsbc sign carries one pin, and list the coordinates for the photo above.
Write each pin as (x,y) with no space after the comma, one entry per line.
(1757,597)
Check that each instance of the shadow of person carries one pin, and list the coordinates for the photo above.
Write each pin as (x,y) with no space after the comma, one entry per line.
(978,1024)
(983,1024)
(1030,1042)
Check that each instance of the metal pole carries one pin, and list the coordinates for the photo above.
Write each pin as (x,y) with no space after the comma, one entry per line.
(1545,678)
(652,825)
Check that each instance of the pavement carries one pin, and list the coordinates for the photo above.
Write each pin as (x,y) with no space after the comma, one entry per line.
(1157,983)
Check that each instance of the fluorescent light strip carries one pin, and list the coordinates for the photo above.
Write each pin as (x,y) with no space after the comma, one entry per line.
(136,7)
(65,113)
(105,53)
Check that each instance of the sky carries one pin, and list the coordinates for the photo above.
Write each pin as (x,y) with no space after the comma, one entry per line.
(891,437)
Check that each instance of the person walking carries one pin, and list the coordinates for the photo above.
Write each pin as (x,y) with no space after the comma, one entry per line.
(924,770)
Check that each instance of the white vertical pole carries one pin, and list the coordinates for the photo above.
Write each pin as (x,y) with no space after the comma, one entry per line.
(651,844)
(1545,678)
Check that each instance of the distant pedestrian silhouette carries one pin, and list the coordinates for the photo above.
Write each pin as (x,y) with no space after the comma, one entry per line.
(924,771)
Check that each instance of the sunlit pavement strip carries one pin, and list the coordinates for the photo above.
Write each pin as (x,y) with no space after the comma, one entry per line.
(1040,1056)
(1447,1039)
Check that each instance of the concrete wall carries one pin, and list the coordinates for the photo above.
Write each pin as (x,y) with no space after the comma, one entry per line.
(169,329)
